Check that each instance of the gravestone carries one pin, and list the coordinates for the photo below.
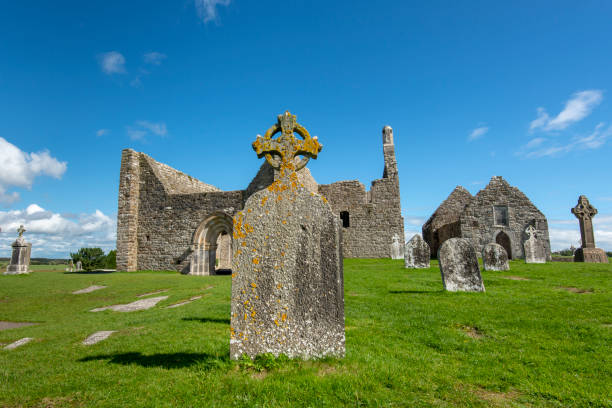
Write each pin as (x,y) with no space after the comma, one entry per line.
(459,266)
(20,259)
(287,285)
(495,258)
(397,251)
(417,253)
(535,251)
(79,266)
(585,212)
(70,267)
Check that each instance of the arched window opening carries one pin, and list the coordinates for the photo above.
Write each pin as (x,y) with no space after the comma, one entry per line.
(344,216)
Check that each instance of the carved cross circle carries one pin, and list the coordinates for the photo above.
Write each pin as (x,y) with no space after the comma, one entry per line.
(584,210)
(281,151)
(531,231)
(21,230)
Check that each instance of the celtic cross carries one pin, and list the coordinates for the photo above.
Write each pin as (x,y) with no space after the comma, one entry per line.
(280,152)
(585,212)
(21,230)
(531,232)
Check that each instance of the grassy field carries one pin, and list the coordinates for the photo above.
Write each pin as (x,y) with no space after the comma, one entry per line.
(545,341)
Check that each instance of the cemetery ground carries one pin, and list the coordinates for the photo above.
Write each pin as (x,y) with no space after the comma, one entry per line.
(540,335)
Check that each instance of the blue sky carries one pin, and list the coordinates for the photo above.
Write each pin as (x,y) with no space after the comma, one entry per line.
(472,89)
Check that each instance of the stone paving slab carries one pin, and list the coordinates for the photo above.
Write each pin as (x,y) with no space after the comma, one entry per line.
(153,293)
(192,299)
(88,290)
(142,304)
(18,343)
(14,325)
(98,337)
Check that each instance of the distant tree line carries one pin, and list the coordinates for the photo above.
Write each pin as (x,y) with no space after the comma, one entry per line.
(94,258)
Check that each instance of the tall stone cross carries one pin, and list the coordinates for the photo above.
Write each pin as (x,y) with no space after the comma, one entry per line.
(21,230)
(531,232)
(585,212)
(280,152)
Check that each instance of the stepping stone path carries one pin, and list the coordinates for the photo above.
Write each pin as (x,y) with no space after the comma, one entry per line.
(18,343)
(98,337)
(184,302)
(152,293)
(88,290)
(14,325)
(142,304)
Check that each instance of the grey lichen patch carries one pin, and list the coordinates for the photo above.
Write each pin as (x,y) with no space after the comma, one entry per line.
(287,286)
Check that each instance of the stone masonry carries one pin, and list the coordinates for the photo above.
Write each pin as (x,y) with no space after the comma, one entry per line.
(499,213)
(168,220)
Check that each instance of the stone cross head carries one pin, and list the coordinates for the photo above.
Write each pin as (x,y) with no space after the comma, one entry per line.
(584,210)
(21,230)
(531,231)
(280,152)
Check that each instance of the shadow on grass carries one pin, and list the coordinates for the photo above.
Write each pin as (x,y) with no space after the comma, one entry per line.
(400,292)
(206,320)
(164,360)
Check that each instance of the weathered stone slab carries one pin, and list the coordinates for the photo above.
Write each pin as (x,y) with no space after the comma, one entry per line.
(595,255)
(535,251)
(183,303)
(18,343)
(495,258)
(142,304)
(397,251)
(416,253)
(98,337)
(14,325)
(287,287)
(459,266)
(88,289)
(157,292)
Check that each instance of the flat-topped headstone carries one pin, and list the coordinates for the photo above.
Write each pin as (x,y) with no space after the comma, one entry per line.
(20,259)
(397,250)
(287,286)
(459,266)
(79,266)
(495,258)
(585,212)
(535,251)
(417,253)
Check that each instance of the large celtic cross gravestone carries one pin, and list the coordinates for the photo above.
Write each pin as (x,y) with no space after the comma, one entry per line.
(287,285)
(585,212)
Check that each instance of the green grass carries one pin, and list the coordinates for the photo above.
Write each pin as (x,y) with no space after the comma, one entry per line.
(408,343)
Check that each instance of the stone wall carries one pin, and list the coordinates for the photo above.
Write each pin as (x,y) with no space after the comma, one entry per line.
(444,222)
(478,221)
(160,209)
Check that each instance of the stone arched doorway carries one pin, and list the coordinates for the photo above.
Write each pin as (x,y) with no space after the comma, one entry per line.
(504,240)
(211,241)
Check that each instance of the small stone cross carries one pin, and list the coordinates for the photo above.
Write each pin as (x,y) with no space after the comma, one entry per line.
(21,230)
(280,152)
(585,212)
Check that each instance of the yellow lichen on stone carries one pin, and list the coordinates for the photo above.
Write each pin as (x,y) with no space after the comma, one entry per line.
(263,201)
(256,261)
(284,316)
(253,284)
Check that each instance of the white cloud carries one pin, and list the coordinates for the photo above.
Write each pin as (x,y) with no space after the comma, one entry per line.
(542,147)
(142,128)
(207,9)
(478,133)
(56,235)
(154,58)
(19,169)
(577,108)
(112,63)
(102,132)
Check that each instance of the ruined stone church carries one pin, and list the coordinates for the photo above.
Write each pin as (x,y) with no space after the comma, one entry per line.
(499,213)
(168,220)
